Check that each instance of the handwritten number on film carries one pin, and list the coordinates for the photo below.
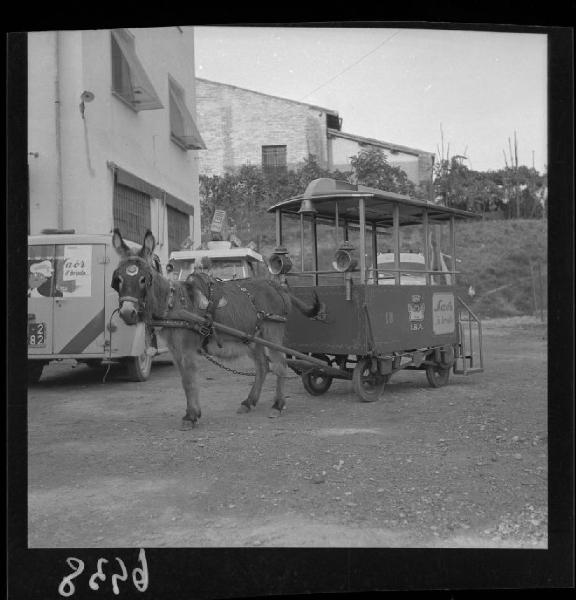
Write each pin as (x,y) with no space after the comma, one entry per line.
(139,575)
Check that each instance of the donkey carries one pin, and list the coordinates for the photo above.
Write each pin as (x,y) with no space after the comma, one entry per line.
(257,307)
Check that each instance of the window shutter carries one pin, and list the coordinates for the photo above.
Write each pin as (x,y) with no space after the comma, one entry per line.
(182,124)
(139,90)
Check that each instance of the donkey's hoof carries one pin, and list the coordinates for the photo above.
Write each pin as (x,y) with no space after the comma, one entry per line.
(243,409)
(187,424)
(274,413)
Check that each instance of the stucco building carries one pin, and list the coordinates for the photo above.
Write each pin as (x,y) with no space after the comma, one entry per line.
(242,126)
(112,138)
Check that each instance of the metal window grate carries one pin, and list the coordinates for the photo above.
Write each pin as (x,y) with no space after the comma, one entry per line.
(178,228)
(132,213)
(274,158)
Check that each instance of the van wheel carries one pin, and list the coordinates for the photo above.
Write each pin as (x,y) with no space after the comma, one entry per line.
(138,368)
(35,368)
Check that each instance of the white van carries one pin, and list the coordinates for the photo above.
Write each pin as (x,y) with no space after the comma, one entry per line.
(220,259)
(72,308)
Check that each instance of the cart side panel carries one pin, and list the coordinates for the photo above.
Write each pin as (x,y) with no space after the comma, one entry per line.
(410,317)
(343,331)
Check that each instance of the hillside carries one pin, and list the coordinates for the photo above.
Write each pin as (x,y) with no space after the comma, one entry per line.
(497,258)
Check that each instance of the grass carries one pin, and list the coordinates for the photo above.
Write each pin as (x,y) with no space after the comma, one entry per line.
(500,260)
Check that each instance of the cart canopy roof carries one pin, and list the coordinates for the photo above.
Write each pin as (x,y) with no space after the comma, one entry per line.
(326,194)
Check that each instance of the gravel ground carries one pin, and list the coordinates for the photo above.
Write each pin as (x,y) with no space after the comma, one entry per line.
(459,466)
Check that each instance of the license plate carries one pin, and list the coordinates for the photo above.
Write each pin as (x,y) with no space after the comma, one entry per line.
(36,334)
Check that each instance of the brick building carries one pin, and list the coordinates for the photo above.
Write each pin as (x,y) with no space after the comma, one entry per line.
(242,126)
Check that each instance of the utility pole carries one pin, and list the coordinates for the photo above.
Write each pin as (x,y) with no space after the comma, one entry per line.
(516,175)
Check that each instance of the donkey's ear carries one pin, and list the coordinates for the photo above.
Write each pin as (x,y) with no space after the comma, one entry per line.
(119,244)
(148,246)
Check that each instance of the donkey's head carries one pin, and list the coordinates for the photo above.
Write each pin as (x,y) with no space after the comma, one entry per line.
(133,277)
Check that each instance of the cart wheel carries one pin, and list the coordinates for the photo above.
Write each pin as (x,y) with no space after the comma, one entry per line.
(437,375)
(448,355)
(138,368)
(35,368)
(366,384)
(315,382)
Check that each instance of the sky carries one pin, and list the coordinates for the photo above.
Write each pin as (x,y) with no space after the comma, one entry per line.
(405,86)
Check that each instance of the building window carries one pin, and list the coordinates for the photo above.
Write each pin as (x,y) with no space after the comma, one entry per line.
(333,122)
(274,159)
(132,212)
(183,129)
(178,228)
(129,79)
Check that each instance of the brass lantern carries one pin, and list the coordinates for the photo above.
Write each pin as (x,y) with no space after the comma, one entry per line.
(345,259)
(279,261)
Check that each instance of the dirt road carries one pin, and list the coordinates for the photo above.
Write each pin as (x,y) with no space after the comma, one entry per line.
(459,466)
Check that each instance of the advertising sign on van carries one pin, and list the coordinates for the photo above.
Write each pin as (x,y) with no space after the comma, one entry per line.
(77,271)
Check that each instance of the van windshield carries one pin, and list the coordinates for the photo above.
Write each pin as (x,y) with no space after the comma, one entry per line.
(228,269)
(220,268)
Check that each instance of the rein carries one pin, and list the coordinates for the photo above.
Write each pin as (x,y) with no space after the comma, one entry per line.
(205,330)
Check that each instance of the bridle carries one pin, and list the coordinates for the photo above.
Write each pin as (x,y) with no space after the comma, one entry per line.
(140,303)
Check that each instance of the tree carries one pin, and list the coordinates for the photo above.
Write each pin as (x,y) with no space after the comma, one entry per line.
(457,186)
(247,193)
(371,168)
(512,192)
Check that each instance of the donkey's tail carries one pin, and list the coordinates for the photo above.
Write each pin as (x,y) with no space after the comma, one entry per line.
(306,309)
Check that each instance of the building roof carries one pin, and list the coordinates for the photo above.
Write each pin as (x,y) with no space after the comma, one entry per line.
(75,238)
(232,253)
(326,110)
(330,131)
(375,142)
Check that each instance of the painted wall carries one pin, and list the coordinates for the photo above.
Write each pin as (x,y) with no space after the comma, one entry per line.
(111,131)
(235,123)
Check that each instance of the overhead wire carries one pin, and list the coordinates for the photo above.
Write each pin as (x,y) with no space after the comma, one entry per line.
(352,65)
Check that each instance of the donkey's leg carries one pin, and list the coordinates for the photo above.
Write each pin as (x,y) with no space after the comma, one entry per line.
(280,369)
(258,355)
(184,352)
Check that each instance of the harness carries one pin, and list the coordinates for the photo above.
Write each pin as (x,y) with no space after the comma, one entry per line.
(260,314)
(212,288)
(179,298)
